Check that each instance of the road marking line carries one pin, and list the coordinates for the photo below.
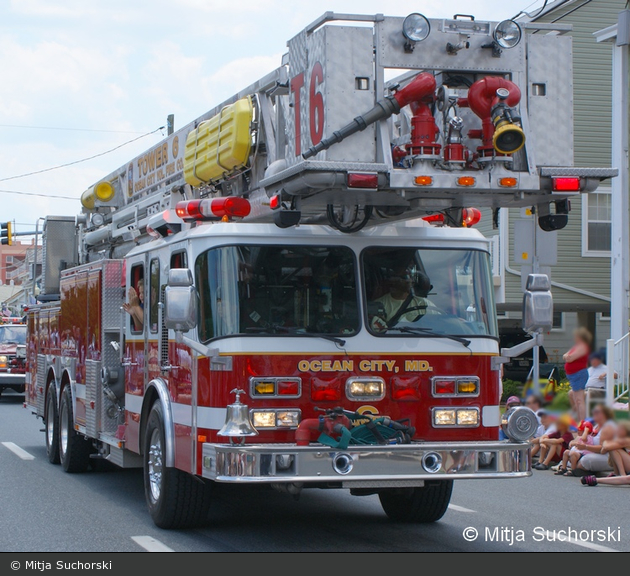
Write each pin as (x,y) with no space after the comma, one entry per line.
(591,545)
(18,451)
(460,509)
(151,544)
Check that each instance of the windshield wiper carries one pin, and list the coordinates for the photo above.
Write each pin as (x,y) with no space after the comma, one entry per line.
(289,330)
(430,332)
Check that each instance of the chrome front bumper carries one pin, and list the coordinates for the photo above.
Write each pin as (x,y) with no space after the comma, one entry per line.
(367,465)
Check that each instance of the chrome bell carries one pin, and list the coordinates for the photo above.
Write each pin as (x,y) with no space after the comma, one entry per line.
(237,423)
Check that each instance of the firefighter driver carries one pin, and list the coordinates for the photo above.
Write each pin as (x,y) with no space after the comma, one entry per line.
(405,300)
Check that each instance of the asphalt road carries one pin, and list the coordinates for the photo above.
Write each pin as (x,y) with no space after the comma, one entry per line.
(44,509)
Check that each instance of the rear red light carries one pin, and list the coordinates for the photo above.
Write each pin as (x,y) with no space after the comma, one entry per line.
(288,387)
(405,388)
(566,184)
(362,180)
(470,217)
(325,390)
(434,218)
(274,202)
(444,387)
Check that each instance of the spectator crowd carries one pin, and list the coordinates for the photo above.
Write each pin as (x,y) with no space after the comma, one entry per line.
(594,447)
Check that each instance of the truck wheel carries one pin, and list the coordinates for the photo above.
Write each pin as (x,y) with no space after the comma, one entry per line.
(52,427)
(74,449)
(417,505)
(175,498)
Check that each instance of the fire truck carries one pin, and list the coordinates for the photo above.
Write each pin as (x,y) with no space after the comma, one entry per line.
(290,290)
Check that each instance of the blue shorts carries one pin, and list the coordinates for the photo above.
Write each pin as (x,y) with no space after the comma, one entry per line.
(578,380)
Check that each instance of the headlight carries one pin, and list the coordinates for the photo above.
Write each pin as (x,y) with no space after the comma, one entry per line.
(276,418)
(467,417)
(444,417)
(264,419)
(416,27)
(455,417)
(288,418)
(365,388)
(507,34)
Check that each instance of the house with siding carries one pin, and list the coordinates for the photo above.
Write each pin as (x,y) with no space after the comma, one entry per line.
(581,276)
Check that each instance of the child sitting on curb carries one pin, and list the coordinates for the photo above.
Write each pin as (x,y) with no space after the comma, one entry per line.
(585,434)
(553,446)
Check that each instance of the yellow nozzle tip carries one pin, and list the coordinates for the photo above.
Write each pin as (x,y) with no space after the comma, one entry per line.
(508,138)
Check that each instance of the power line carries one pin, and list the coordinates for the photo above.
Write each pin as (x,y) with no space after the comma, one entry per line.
(37,194)
(69,129)
(79,161)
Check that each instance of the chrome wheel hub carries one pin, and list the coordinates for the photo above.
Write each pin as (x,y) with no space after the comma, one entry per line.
(63,429)
(50,426)
(155,465)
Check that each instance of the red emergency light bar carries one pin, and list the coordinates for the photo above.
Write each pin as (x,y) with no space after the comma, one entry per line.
(566,184)
(470,217)
(213,208)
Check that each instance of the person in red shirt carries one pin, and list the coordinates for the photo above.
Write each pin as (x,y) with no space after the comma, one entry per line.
(553,446)
(576,368)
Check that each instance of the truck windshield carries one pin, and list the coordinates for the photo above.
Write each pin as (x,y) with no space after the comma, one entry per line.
(281,290)
(428,291)
(12,334)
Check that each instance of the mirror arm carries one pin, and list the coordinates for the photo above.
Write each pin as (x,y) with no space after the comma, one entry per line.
(508,353)
(202,349)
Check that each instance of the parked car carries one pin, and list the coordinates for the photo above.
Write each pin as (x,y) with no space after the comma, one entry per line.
(12,357)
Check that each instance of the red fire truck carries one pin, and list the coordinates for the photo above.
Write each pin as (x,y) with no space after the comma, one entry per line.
(288,293)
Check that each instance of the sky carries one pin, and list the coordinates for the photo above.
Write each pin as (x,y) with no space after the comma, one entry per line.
(113,70)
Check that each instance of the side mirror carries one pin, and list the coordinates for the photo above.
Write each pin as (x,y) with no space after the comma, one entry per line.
(537,304)
(180,301)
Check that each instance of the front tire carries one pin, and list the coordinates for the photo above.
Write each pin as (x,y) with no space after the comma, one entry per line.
(74,449)
(417,505)
(52,426)
(175,498)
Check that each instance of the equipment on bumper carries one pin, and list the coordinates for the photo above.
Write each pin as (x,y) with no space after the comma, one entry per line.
(337,430)
(237,423)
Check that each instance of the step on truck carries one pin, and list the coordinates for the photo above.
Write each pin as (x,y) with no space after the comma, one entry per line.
(290,290)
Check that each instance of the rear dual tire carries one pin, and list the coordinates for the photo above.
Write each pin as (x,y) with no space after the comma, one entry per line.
(74,448)
(52,426)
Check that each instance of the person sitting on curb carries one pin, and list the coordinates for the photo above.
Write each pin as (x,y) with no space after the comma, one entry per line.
(571,457)
(553,446)
(605,429)
(547,426)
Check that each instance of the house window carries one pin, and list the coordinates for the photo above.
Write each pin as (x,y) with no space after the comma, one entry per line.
(9,259)
(558,321)
(596,223)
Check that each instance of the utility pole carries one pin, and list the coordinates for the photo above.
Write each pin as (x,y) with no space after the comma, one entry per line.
(35,258)
(170,124)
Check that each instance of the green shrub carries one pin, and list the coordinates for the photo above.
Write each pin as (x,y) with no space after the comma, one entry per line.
(561,401)
(511,388)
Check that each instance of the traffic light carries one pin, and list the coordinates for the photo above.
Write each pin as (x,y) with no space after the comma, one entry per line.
(6,233)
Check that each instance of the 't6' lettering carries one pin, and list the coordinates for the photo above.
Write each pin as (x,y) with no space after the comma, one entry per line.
(315,106)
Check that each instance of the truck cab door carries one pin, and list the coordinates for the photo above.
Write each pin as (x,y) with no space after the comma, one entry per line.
(134,353)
